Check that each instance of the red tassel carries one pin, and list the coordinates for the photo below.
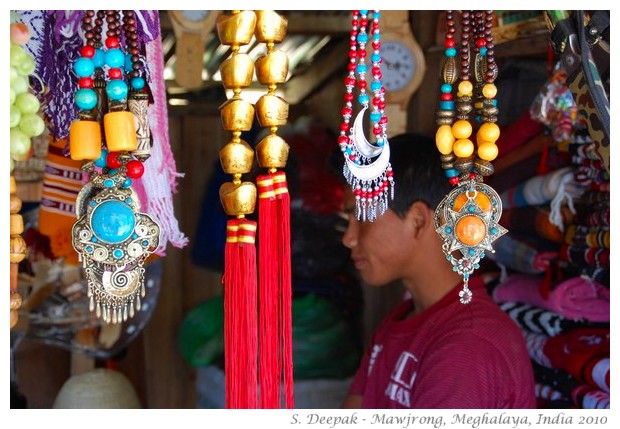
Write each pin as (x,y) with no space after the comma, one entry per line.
(284,246)
(269,341)
(240,331)
(230,281)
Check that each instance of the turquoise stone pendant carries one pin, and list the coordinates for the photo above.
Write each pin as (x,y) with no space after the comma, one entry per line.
(113,239)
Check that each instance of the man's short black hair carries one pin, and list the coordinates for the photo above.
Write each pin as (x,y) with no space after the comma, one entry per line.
(418,175)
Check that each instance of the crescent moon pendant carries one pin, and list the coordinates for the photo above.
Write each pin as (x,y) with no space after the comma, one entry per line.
(372,171)
(359,138)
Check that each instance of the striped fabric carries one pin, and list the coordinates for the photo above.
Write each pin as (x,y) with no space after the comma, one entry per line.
(62,182)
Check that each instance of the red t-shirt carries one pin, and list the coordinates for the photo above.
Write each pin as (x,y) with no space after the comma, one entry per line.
(449,356)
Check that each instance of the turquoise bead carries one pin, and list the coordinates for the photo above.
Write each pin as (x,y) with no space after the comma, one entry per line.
(84,67)
(116,89)
(446,105)
(85,98)
(375,116)
(113,221)
(376,37)
(99,58)
(126,183)
(446,88)
(362,38)
(363,12)
(375,58)
(375,86)
(118,253)
(361,68)
(451,52)
(128,63)
(102,160)
(452,172)
(108,183)
(363,99)
(376,14)
(137,83)
(448,230)
(114,58)
(483,51)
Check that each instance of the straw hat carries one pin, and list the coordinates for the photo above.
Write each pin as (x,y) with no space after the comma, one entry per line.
(100,388)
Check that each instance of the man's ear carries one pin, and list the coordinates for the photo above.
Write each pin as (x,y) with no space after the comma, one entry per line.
(421,216)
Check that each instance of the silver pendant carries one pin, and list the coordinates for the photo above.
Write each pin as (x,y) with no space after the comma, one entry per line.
(113,239)
(368,170)
(467,221)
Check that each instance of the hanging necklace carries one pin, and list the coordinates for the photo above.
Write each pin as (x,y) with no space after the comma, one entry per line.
(367,165)
(467,218)
(112,237)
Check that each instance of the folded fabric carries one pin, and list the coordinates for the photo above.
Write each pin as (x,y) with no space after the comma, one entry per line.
(547,393)
(555,379)
(588,398)
(576,298)
(583,353)
(583,256)
(520,256)
(518,133)
(536,190)
(533,221)
(540,321)
(577,235)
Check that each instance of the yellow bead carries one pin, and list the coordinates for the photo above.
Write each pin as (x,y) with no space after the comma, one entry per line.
(463,148)
(466,87)
(488,151)
(470,230)
(85,140)
(444,139)
(489,90)
(461,129)
(488,132)
(120,131)
(481,200)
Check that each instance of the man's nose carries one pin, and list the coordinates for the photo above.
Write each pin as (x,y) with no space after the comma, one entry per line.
(349,239)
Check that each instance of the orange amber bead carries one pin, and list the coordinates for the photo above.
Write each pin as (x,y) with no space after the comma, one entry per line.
(120,131)
(470,230)
(85,140)
(481,199)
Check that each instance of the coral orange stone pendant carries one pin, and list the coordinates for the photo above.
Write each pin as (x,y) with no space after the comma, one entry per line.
(467,220)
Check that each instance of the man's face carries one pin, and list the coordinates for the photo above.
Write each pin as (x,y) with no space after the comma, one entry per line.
(378,249)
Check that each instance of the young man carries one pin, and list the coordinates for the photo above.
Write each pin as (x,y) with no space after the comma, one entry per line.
(431,351)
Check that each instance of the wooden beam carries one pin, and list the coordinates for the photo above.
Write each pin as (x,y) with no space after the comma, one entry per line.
(311,22)
(299,87)
(299,22)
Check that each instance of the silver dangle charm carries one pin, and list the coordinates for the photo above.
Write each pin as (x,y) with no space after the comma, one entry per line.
(368,170)
(467,220)
(113,239)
